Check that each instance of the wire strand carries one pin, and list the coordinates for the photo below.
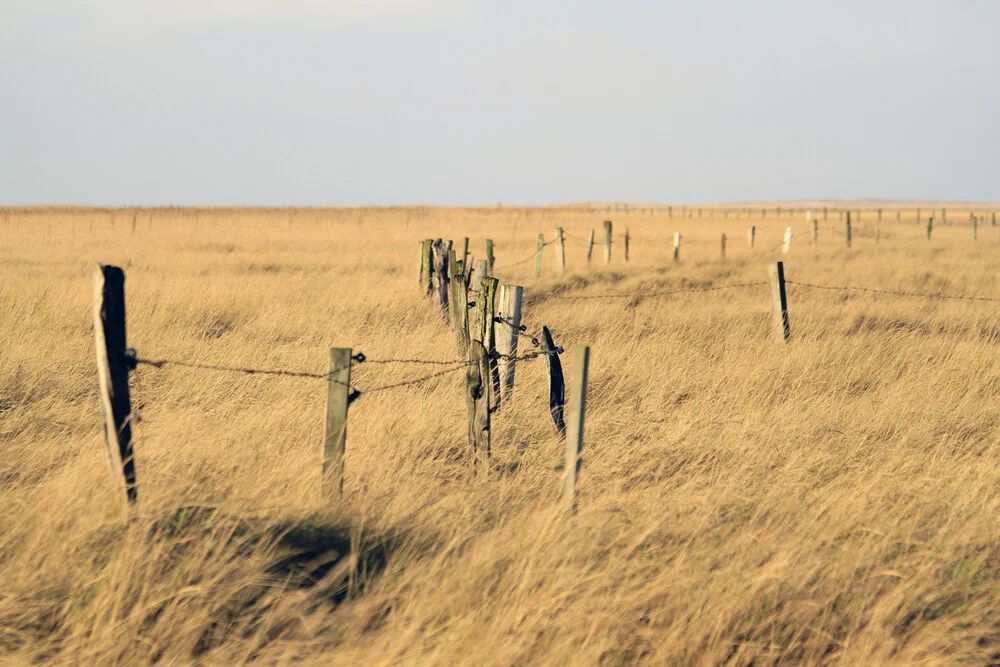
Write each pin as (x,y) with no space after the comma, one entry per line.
(917,295)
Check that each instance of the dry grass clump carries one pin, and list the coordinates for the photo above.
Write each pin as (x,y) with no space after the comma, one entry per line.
(832,501)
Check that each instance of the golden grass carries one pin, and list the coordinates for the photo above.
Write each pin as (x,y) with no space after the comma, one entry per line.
(833,501)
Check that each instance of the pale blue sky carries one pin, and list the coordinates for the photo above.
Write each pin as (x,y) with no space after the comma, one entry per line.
(314,102)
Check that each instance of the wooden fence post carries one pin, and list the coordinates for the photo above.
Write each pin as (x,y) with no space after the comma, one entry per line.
(944,216)
(879,216)
(723,248)
(538,255)
(426,267)
(490,260)
(826,213)
(590,245)
(560,250)
(930,227)
(441,279)
(677,247)
(335,434)
(465,251)
(477,398)
(779,303)
(899,216)
(786,244)
(509,314)
(627,238)
(918,216)
(607,241)
(459,304)
(751,233)
(975,227)
(816,233)
(486,309)
(848,231)
(114,361)
(994,223)
(557,387)
(878,231)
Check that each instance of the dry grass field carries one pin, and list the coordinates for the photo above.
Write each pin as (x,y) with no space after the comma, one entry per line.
(835,500)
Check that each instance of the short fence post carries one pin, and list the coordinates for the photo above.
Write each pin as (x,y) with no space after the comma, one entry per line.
(627,237)
(607,241)
(975,227)
(560,250)
(477,397)
(723,247)
(509,314)
(779,303)
(930,227)
(490,260)
(787,242)
(848,230)
(426,267)
(441,274)
(751,233)
(486,308)
(577,408)
(590,245)
(677,247)
(557,387)
(538,255)
(114,361)
(459,304)
(816,233)
(335,434)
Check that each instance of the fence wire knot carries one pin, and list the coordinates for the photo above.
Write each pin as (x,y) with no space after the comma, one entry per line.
(359,358)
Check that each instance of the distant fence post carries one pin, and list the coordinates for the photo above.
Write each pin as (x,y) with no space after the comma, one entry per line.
(627,238)
(816,233)
(426,267)
(607,241)
(723,247)
(930,227)
(538,255)
(677,247)
(779,302)
(509,314)
(560,250)
(335,434)
(994,223)
(114,361)
(590,245)
(751,235)
(899,216)
(787,242)
(557,387)
(975,227)
(477,398)
(944,216)
(577,408)
(459,303)
(490,259)
(848,229)
(918,216)
(879,216)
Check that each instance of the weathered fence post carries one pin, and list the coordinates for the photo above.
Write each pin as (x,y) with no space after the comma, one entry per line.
(114,360)
(441,279)
(577,408)
(779,303)
(899,216)
(848,229)
(477,397)
(786,244)
(975,227)
(751,234)
(930,227)
(607,241)
(627,238)
(490,260)
(465,251)
(590,245)
(677,247)
(509,314)
(338,395)
(816,233)
(723,247)
(994,223)
(486,310)
(538,255)
(557,387)
(560,250)
(944,216)
(459,304)
(427,267)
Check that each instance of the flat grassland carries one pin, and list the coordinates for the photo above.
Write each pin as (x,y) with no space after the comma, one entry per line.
(834,500)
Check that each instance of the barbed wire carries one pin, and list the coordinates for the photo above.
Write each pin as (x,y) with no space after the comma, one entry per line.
(917,295)
(526,259)
(647,295)
(521,330)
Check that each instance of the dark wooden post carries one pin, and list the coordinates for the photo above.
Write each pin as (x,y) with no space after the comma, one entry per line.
(627,238)
(930,227)
(114,360)
(848,230)
(723,248)
(477,395)
(590,245)
(751,234)
(557,387)
(335,434)
(426,266)
(779,302)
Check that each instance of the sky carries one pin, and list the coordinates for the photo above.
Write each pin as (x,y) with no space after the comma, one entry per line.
(531,102)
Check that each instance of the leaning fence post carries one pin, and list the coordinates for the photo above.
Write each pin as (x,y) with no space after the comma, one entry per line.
(677,247)
(459,303)
(477,397)
(751,233)
(787,242)
(538,255)
(627,238)
(509,314)
(848,229)
(114,360)
(577,408)
(723,248)
(779,303)
(607,241)
(560,250)
(557,388)
(338,395)
(590,245)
